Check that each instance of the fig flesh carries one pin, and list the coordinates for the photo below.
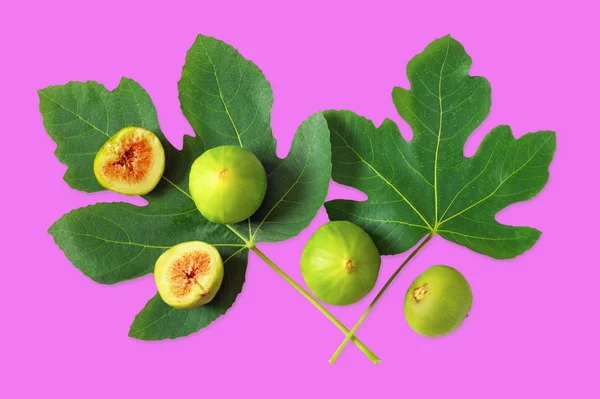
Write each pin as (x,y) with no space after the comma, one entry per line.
(131,162)
(340,263)
(189,274)
(228,184)
(437,301)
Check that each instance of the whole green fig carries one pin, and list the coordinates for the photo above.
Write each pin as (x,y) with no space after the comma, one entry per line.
(438,301)
(340,263)
(228,184)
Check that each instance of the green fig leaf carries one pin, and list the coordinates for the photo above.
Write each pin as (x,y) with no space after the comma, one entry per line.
(228,101)
(427,185)
(81,117)
(113,242)
(158,320)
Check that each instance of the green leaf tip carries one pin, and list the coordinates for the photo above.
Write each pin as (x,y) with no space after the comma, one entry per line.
(81,116)
(157,320)
(239,113)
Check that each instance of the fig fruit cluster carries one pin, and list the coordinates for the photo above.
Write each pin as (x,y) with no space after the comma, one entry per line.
(340,262)
(228,184)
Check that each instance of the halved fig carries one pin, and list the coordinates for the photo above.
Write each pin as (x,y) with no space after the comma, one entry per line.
(189,274)
(131,162)
(228,184)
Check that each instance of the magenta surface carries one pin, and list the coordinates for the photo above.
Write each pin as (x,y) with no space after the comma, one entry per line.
(534,327)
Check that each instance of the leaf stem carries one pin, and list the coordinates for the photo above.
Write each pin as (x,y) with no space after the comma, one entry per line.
(338,324)
(241,237)
(350,335)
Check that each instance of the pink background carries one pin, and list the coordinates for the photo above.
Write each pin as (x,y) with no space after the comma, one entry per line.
(533,330)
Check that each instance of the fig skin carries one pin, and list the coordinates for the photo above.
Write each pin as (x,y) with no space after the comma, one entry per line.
(228,184)
(189,274)
(438,301)
(131,162)
(340,263)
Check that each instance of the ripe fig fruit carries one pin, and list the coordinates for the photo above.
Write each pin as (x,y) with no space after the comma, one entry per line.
(131,162)
(340,263)
(438,301)
(228,184)
(189,274)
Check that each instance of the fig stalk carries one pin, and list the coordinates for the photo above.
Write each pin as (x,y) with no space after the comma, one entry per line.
(303,292)
(252,246)
(350,334)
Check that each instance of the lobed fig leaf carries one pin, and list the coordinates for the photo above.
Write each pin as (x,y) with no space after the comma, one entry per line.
(81,117)
(112,242)
(228,101)
(426,185)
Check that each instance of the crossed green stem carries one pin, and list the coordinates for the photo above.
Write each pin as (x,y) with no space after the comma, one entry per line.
(350,334)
